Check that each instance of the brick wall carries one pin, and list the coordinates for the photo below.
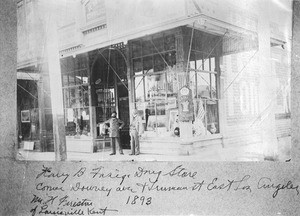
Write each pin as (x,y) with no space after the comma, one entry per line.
(241,80)
(242,118)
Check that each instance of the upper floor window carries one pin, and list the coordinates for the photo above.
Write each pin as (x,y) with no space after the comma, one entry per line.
(94,11)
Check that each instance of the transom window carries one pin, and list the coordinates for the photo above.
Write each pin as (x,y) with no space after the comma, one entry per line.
(153,54)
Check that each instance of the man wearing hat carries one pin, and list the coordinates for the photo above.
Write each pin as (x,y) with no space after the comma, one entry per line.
(136,129)
(115,125)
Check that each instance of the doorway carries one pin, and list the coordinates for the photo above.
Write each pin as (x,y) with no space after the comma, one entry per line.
(110,90)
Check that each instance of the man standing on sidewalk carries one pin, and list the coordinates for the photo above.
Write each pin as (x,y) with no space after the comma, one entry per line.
(115,125)
(136,129)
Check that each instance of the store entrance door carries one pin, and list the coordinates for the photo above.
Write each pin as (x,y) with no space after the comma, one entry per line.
(110,90)
(123,110)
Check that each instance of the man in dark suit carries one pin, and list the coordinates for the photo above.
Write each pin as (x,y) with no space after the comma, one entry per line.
(115,125)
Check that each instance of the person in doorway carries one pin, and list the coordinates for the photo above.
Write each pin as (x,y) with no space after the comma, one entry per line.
(114,125)
(136,129)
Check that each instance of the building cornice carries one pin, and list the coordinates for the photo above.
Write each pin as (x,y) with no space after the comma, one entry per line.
(93,28)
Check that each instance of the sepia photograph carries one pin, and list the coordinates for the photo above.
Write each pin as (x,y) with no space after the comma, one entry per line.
(173,80)
(150,107)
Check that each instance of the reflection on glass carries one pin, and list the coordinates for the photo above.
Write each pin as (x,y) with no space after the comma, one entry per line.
(65,80)
(212,64)
(212,123)
(147,47)
(170,58)
(154,115)
(78,79)
(66,95)
(158,44)
(76,102)
(192,65)
(136,49)
(206,65)
(159,64)
(193,82)
(199,64)
(148,64)
(85,77)
(76,97)
(139,88)
(170,42)
(172,85)
(106,97)
(203,85)
(213,86)
(71,80)
(206,117)
(137,66)
(155,86)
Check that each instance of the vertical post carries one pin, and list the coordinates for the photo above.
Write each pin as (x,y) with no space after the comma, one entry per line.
(8,82)
(183,39)
(116,95)
(131,88)
(220,88)
(295,81)
(56,90)
(42,135)
(267,85)
(92,109)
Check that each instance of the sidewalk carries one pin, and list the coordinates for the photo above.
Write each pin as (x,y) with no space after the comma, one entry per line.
(167,152)
(205,154)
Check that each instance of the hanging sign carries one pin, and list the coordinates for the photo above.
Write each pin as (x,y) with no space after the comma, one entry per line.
(185,104)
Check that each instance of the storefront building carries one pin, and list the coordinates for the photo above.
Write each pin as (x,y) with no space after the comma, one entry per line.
(118,56)
(34,113)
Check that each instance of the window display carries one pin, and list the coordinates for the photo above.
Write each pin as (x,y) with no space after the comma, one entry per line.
(152,61)
(76,99)
(156,81)
(203,79)
(203,82)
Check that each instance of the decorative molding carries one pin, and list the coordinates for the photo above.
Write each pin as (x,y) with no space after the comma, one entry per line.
(119,46)
(70,49)
(86,31)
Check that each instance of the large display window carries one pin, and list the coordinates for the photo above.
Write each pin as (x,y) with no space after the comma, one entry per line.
(153,63)
(76,98)
(156,79)
(204,81)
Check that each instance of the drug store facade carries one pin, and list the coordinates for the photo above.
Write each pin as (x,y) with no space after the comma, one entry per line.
(193,66)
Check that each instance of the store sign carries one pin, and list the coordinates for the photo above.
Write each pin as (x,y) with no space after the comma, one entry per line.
(185,104)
